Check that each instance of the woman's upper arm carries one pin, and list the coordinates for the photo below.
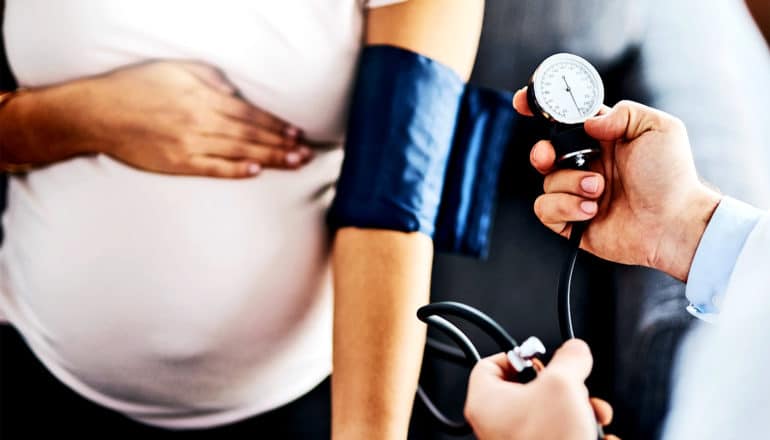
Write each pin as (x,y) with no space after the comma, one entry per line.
(445,30)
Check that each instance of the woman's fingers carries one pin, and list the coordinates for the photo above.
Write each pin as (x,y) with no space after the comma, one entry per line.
(223,168)
(237,119)
(265,155)
(240,134)
(581,183)
(242,131)
(239,109)
(557,210)
(210,76)
(228,159)
(228,103)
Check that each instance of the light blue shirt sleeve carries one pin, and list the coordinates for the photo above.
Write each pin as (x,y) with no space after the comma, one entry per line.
(716,255)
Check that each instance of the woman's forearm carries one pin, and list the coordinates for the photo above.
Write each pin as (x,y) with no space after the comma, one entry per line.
(761,11)
(380,279)
(28,132)
(171,117)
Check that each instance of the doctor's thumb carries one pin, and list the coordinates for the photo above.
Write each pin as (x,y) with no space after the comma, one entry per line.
(572,360)
(626,120)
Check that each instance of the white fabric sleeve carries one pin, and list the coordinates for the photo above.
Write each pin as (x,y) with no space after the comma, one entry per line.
(716,255)
(721,382)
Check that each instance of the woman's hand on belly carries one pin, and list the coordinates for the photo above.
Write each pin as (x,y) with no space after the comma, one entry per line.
(166,117)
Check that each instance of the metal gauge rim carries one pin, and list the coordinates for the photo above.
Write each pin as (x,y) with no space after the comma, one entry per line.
(538,93)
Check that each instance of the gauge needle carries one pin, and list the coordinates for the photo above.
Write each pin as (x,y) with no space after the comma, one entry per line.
(569,89)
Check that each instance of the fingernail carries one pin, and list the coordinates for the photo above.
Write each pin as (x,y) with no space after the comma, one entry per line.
(598,117)
(588,207)
(293,158)
(305,152)
(254,168)
(292,132)
(590,184)
(540,156)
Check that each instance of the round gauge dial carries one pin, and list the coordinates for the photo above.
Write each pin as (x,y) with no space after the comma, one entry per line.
(567,89)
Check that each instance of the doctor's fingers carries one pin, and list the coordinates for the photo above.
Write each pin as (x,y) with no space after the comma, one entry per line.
(495,366)
(489,383)
(629,120)
(492,376)
(543,156)
(520,102)
(602,410)
(580,183)
(557,210)
(573,359)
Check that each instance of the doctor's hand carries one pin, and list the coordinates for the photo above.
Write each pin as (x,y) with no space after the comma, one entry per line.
(644,199)
(554,406)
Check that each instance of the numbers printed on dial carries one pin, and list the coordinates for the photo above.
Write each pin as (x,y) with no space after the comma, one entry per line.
(568,88)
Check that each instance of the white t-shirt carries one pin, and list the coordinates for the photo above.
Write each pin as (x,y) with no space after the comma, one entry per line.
(181,302)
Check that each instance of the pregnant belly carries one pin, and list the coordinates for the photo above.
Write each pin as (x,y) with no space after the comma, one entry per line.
(138,267)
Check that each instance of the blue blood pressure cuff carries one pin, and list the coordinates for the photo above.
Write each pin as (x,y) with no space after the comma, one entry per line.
(399,137)
(483,131)
(423,151)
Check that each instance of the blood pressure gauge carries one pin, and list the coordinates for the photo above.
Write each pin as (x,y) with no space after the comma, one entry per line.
(565,90)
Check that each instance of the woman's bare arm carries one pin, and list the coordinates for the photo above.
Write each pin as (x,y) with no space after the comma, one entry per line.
(165,117)
(761,11)
(382,277)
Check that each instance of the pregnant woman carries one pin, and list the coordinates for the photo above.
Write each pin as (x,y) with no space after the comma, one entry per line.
(166,254)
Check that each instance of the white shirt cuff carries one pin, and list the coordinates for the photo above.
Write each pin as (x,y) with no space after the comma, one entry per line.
(716,255)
